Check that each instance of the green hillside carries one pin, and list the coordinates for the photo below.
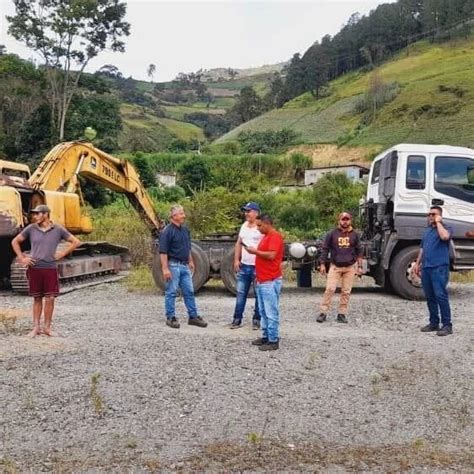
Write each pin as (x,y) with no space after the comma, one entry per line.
(435,103)
(144,131)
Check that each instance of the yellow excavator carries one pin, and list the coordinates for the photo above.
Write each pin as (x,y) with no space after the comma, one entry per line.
(56,183)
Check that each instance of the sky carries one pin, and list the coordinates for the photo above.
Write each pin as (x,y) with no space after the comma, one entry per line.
(184,36)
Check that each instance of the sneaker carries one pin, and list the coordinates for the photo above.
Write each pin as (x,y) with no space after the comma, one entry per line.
(255,324)
(429,328)
(172,323)
(269,346)
(341,318)
(445,331)
(321,318)
(236,324)
(260,341)
(197,321)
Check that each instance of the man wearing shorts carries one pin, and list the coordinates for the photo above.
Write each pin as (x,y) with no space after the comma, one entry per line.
(43,282)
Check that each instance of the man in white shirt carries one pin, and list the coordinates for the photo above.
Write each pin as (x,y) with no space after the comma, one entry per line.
(244,264)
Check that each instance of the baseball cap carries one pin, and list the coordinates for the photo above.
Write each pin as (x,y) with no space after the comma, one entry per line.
(251,206)
(41,208)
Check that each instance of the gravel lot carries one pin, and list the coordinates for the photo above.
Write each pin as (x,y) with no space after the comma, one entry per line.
(118,390)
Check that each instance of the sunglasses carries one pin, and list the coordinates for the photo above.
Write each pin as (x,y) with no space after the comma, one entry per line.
(432,214)
(345,218)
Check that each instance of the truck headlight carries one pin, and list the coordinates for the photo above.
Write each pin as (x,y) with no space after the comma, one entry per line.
(297,250)
(312,250)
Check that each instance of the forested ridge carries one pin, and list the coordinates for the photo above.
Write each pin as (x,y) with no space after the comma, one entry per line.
(182,114)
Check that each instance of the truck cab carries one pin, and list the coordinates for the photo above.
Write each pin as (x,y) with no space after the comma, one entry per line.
(404,182)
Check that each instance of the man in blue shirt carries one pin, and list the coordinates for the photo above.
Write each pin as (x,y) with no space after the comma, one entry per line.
(177,265)
(433,266)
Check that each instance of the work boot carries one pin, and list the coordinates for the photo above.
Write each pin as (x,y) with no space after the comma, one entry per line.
(321,318)
(255,324)
(172,323)
(260,341)
(445,331)
(236,324)
(341,318)
(429,328)
(269,346)
(197,321)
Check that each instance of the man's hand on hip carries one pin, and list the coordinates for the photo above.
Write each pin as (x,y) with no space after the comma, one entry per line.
(27,260)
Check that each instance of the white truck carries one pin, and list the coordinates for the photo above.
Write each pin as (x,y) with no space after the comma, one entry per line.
(404,181)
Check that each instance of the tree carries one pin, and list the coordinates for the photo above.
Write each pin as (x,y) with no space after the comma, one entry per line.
(145,172)
(151,70)
(21,95)
(299,163)
(68,34)
(3,50)
(233,73)
(194,174)
(316,66)
(276,96)
(110,70)
(248,105)
(295,77)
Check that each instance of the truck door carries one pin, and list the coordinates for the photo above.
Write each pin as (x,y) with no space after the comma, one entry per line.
(453,186)
(453,189)
(412,197)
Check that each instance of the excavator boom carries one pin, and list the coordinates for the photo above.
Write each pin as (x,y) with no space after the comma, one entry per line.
(60,170)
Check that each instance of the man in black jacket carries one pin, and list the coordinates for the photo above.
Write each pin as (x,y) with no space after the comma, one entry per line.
(341,250)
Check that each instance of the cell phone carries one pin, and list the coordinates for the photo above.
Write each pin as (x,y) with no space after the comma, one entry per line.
(244,245)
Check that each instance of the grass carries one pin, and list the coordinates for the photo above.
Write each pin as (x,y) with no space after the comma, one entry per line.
(462,277)
(8,465)
(9,324)
(427,109)
(177,112)
(145,132)
(96,397)
(323,124)
(267,455)
(275,455)
(140,279)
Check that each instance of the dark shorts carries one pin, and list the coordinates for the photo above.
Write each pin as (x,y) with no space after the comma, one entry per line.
(43,281)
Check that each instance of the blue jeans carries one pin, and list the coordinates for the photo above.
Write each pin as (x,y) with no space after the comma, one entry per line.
(435,283)
(180,278)
(268,295)
(245,279)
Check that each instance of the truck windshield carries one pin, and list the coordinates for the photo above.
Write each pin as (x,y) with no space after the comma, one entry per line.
(454,176)
(15,173)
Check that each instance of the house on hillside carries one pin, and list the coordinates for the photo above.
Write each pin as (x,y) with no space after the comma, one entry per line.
(353,172)
(166,179)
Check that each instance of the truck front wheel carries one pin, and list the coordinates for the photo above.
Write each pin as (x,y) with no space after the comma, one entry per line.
(201,268)
(401,279)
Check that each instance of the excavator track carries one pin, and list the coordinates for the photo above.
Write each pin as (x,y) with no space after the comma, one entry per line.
(90,264)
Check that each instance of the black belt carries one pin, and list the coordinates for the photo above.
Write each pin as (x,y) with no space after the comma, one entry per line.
(174,260)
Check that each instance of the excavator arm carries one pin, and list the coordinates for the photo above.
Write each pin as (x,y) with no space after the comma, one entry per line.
(60,170)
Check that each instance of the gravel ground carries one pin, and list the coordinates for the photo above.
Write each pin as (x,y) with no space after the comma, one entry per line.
(118,390)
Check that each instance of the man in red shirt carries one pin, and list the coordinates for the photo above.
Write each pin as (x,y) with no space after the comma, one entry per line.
(269,255)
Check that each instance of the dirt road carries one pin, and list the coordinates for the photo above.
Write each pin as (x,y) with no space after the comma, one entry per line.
(118,390)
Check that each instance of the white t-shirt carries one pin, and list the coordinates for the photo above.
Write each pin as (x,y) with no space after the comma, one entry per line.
(250,236)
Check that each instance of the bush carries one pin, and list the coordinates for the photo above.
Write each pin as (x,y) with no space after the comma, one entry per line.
(375,98)
(268,141)
(194,174)
(120,224)
(169,194)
